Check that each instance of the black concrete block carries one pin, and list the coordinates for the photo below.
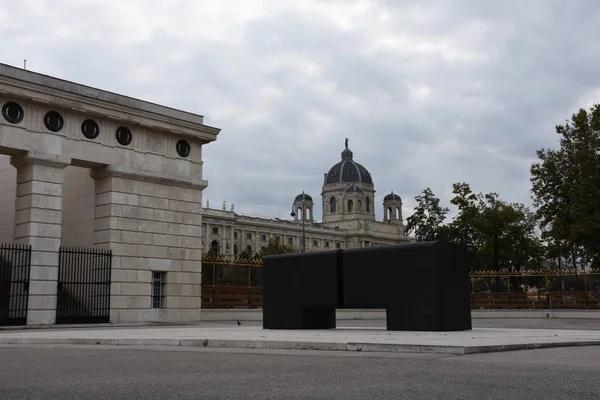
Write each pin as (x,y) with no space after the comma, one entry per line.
(300,291)
(423,286)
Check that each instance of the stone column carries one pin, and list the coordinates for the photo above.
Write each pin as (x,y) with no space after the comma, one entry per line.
(232,239)
(207,238)
(151,225)
(257,241)
(223,240)
(38,219)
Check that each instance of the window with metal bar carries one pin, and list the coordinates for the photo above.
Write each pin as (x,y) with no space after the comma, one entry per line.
(158,289)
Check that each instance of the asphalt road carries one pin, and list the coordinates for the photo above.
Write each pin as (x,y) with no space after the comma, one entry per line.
(82,372)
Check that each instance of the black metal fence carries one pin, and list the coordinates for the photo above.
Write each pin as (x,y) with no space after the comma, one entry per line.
(15,264)
(83,285)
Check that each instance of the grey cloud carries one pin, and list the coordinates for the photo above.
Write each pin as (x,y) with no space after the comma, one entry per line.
(499,75)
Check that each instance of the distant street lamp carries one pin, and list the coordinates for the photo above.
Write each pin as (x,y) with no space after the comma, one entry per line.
(293,214)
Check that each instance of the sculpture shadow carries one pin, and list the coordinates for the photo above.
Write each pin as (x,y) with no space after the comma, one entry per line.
(422,286)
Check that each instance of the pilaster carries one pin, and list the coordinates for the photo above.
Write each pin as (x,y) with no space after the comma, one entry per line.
(150,227)
(38,219)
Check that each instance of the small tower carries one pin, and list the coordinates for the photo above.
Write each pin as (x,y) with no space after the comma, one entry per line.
(392,208)
(303,207)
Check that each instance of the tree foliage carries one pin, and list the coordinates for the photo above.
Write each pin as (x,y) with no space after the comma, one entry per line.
(501,235)
(428,216)
(566,188)
(464,227)
(277,247)
(507,234)
(497,234)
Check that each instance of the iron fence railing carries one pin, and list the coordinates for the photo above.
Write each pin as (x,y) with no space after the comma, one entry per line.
(231,297)
(538,300)
(84,277)
(15,266)
(229,282)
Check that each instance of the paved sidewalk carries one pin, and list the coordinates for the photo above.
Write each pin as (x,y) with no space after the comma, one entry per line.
(480,340)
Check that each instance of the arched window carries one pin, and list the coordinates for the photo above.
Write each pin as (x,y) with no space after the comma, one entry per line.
(332,205)
(308,213)
(397,212)
(350,206)
(299,213)
(368,204)
(389,213)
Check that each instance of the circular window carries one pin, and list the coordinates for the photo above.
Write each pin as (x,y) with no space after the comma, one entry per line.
(123,135)
(90,129)
(53,121)
(12,112)
(183,148)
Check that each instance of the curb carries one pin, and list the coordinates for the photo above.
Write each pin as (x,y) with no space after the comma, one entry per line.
(283,345)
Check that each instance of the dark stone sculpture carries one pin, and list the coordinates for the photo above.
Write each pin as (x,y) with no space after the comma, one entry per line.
(300,290)
(422,286)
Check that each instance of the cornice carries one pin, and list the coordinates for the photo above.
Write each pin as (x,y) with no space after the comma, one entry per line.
(142,175)
(128,115)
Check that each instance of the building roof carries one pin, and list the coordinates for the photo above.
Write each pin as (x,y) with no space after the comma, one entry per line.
(392,196)
(47,81)
(303,196)
(348,170)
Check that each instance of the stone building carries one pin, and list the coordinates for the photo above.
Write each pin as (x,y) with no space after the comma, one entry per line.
(348,201)
(85,167)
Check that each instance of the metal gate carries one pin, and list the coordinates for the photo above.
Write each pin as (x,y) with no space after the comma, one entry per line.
(15,263)
(83,285)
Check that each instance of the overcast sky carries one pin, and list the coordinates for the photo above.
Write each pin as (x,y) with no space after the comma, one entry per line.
(428,92)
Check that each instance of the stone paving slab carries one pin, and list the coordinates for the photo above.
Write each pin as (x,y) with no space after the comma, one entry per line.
(479,340)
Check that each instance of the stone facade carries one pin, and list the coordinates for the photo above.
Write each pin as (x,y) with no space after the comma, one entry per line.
(348,218)
(86,167)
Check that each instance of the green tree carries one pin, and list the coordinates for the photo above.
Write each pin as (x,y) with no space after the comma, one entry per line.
(507,234)
(277,247)
(497,234)
(426,221)
(464,227)
(566,188)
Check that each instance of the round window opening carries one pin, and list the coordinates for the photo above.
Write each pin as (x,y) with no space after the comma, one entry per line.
(90,129)
(12,112)
(123,135)
(183,148)
(53,121)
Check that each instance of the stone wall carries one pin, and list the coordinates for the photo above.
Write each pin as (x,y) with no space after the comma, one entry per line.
(8,187)
(93,168)
(78,207)
(78,204)
(150,227)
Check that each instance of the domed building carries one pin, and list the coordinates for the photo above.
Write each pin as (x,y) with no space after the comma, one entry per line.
(348,191)
(348,201)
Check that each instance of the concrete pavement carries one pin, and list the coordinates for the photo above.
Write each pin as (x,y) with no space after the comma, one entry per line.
(348,338)
(116,372)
